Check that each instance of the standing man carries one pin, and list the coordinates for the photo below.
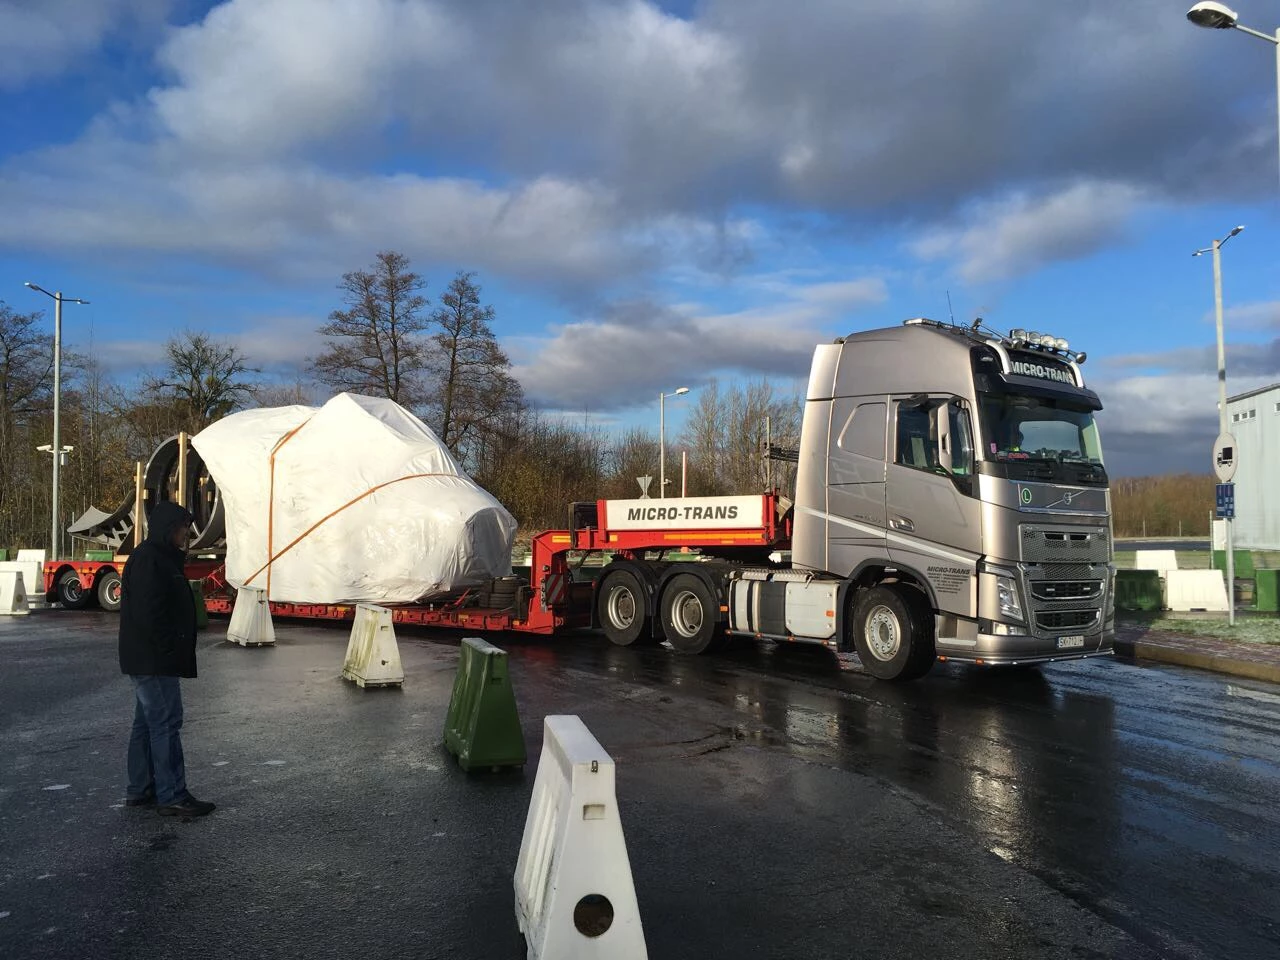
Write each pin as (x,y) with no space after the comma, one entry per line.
(157,647)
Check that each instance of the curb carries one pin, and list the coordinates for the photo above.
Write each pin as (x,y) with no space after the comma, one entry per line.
(1250,669)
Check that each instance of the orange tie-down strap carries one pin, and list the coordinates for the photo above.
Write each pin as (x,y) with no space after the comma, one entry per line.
(273,557)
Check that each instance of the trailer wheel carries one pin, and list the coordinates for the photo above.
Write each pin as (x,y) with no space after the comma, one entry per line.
(622,610)
(690,614)
(71,593)
(893,632)
(109,592)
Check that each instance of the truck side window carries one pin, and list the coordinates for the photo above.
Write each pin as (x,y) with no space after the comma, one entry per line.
(863,434)
(961,442)
(917,437)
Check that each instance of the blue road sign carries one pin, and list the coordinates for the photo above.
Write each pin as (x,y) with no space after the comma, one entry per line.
(1226,501)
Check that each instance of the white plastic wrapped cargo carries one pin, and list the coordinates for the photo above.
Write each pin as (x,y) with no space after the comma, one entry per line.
(357,500)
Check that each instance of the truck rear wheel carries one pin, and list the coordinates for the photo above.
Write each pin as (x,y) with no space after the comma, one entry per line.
(109,592)
(622,610)
(690,614)
(71,594)
(893,632)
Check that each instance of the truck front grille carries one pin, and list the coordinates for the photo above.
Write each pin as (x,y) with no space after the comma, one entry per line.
(1053,590)
(1044,544)
(1065,619)
(1065,597)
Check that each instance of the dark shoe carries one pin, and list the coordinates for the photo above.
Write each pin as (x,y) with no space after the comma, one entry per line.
(148,799)
(187,807)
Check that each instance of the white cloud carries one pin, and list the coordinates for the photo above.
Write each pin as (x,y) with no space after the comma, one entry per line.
(303,221)
(259,77)
(644,122)
(1022,233)
(1250,316)
(639,348)
(41,39)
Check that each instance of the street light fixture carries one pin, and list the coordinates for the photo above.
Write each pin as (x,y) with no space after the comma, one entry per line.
(1216,250)
(55,540)
(662,439)
(1218,16)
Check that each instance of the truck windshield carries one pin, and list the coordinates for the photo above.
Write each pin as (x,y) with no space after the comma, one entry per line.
(1034,429)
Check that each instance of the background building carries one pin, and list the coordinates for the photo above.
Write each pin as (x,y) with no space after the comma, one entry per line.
(1254,420)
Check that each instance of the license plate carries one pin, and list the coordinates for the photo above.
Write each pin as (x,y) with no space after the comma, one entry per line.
(1066,643)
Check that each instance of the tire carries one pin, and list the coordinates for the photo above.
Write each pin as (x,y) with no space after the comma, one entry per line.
(622,609)
(893,632)
(109,592)
(690,614)
(71,594)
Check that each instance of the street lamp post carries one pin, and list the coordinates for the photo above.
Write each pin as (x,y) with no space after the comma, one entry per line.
(1218,16)
(662,439)
(1216,250)
(58,300)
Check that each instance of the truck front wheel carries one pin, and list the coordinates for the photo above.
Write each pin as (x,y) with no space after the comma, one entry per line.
(690,614)
(622,611)
(109,592)
(71,594)
(893,632)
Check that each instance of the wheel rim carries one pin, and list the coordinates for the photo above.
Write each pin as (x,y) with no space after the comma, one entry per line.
(621,607)
(686,613)
(884,634)
(72,590)
(113,591)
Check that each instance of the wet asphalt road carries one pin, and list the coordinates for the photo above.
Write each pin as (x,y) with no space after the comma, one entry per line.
(776,803)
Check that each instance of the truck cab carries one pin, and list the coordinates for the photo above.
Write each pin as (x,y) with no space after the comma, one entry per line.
(954,479)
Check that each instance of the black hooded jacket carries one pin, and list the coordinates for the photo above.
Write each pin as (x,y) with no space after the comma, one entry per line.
(157,610)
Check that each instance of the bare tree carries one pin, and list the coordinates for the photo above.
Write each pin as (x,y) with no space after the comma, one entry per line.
(634,455)
(726,438)
(545,466)
(26,363)
(704,438)
(376,345)
(298,393)
(204,380)
(473,383)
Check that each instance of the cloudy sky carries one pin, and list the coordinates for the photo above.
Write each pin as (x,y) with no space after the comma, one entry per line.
(654,194)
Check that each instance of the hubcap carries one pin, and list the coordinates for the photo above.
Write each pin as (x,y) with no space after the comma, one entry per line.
(621,607)
(686,613)
(72,590)
(884,634)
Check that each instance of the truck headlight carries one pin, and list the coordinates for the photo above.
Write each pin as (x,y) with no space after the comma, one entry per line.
(1007,595)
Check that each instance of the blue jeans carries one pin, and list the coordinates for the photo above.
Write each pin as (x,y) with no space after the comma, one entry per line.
(155,745)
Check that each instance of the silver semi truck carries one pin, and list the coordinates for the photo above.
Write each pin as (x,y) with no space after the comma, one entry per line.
(951,504)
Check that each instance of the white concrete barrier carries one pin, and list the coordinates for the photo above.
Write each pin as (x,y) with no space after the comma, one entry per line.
(373,656)
(575,899)
(32,571)
(251,619)
(1162,560)
(13,594)
(1196,590)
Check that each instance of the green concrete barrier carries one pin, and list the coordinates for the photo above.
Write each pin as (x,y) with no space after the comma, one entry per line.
(482,728)
(1138,590)
(1244,562)
(1267,595)
(100,555)
(202,612)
